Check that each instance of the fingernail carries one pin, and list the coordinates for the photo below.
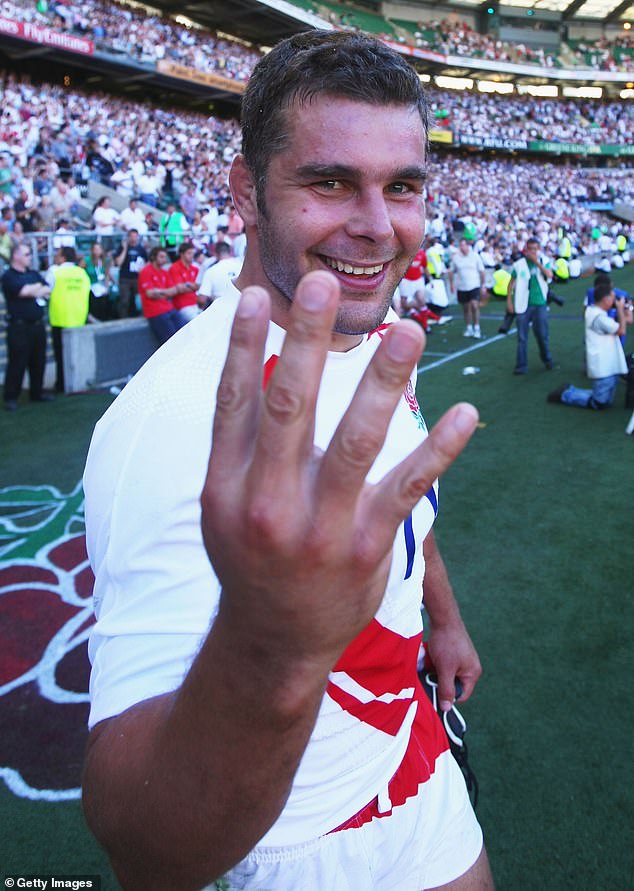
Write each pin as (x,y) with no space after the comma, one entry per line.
(445,705)
(312,295)
(465,419)
(248,305)
(401,346)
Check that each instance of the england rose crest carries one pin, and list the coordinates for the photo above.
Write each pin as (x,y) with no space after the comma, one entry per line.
(45,615)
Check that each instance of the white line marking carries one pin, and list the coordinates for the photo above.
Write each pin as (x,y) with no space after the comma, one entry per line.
(471,349)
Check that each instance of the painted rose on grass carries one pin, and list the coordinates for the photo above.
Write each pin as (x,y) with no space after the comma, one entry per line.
(45,615)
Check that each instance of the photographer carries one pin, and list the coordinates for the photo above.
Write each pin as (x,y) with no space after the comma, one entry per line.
(605,359)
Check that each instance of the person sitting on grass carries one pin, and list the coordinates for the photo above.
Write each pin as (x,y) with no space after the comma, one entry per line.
(605,359)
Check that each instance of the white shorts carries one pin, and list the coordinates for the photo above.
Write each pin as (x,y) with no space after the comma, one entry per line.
(408,288)
(430,840)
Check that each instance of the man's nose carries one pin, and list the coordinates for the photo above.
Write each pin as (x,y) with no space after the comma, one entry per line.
(371,218)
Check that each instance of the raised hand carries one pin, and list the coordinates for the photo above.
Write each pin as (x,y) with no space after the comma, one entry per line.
(300,542)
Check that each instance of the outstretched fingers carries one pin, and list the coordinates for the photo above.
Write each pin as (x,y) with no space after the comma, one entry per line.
(394,497)
(362,431)
(240,389)
(286,434)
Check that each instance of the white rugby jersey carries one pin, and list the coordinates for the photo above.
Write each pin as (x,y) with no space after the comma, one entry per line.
(156,594)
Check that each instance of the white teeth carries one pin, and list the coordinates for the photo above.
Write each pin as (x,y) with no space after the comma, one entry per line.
(352,270)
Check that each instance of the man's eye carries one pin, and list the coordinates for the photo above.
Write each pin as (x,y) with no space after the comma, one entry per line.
(406,188)
(330,185)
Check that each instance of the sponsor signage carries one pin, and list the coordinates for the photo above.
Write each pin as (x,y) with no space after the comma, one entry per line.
(445,136)
(200,77)
(498,142)
(46,36)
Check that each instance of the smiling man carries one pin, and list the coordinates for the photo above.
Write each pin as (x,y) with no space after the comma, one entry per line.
(256,711)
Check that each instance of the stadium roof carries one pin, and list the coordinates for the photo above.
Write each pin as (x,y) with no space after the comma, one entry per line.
(602,11)
(268,21)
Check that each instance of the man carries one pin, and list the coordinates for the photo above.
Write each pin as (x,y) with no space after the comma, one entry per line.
(466,273)
(157,295)
(172,227)
(185,272)
(528,299)
(218,279)
(131,259)
(262,719)
(25,293)
(605,359)
(132,217)
(68,304)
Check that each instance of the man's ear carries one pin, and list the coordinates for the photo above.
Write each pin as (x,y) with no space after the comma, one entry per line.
(243,191)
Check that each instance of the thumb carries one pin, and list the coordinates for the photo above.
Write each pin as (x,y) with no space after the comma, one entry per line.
(446,690)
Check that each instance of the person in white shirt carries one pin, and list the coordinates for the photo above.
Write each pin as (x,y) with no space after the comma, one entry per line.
(132,217)
(218,280)
(259,503)
(105,217)
(605,359)
(467,274)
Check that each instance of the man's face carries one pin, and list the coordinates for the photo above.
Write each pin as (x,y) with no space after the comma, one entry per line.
(531,251)
(345,195)
(188,257)
(22,257)
(161,259)
(464,247)
(133,237)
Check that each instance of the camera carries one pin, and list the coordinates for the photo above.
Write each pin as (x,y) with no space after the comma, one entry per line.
(551,297)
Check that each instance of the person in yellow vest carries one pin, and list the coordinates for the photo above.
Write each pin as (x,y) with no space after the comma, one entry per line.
(561,269)
(68,304)
(565,245)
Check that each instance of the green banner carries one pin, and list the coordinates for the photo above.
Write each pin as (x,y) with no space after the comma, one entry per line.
(580,148)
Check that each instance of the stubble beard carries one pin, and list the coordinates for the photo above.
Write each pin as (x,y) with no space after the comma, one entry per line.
(355,317)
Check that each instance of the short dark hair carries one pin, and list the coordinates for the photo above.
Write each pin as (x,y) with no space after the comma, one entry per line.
(533,240)
(222,247)
(155,252)
(602,278)
(602,290)
(185,246)
(69,254)
(316,63)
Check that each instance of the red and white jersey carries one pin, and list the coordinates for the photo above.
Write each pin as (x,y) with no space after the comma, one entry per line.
(156,593)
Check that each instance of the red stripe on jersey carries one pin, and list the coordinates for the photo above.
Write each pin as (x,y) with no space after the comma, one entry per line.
(269,367)
(427,742)
(384,664)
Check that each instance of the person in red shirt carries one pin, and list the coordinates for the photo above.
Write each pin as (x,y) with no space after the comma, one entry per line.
(185,272)
(157,294)
(412,285)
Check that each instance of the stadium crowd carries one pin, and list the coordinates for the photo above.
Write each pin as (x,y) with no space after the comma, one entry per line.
(589,121)
(147,39)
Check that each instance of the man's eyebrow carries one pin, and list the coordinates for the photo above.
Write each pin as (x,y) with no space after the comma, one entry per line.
(343,171)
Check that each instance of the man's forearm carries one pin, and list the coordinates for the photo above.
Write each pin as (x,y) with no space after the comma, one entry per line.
(179,788)
(449,645)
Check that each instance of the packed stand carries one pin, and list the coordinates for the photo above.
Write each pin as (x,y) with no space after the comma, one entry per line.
(147,39)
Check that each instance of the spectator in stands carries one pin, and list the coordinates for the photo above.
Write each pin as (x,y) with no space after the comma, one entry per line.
(184,272)
(217,280)
(173,227)
(149,185)
(105,217)
(97,266)
(131,259)
(157,295)
(62,200)
(132,217)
